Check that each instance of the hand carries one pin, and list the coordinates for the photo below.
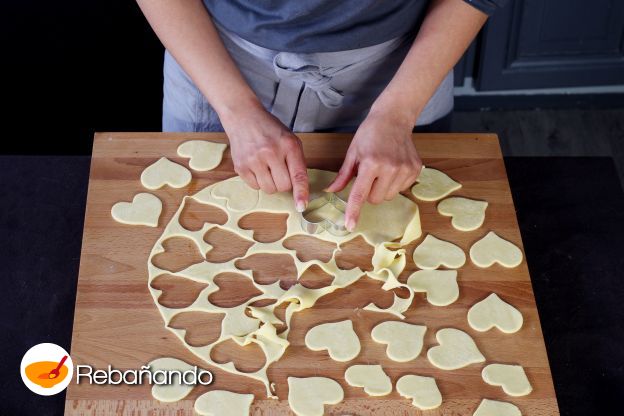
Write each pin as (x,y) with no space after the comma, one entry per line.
(266,154)
(386,162)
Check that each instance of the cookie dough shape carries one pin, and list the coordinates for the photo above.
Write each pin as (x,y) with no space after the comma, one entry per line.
(440,285)
(456,350)
(511,378)
(165,172)
(493,249)
(176,391)
(203,155)
(496,408)
(371,377)
(404,340)
(494,312)
(467,214)
(308,396)
(433,253)
(423,391)
(144,209)
(433,185)
(338,338)
(221,402)
(237,195)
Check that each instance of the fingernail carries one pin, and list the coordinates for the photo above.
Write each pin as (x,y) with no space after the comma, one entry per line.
(350,224)
(300,206)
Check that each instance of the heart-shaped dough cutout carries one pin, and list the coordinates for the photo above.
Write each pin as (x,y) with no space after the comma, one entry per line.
(494,312)
(440,285)
(371,377)
(165,172)
(493,249)
(144,209)
(467,214)
(308,396)
(404,340)
(433,253)
(433,185)
(423,391)
(496,408)
(338,338)
(456,350)
(511,378)
(203,155)
(221,402)
(239,196)
(175,391)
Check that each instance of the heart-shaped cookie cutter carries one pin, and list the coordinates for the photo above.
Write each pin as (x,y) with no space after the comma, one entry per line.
(315,227)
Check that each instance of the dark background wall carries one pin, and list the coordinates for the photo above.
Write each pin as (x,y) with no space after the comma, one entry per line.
(73,67)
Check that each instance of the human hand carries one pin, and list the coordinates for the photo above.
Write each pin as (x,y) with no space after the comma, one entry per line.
(385,160)
(266,154)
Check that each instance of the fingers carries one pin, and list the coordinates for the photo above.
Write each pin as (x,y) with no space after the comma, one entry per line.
(358,196)
(298,178)
(346,172)
(279,173)
(265,179)
(249,178)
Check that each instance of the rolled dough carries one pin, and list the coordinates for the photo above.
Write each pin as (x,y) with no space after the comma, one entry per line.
(404,340)
(203,155)
(496,408)
(308,396)
(511,378)
(467,214)
(433,185)
(494,312)
(423,391)
(433,253)
(440,285)
(144,209)
(176,391)
(371,377)
(493,249)
(221,402)
(165,172)
(456,350)
(338,338)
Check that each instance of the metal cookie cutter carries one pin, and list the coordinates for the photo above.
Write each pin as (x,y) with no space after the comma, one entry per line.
(313,226)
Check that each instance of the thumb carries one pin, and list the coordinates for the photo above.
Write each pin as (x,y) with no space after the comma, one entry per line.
(345,174)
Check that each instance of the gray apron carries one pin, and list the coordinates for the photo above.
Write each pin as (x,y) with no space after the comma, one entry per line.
(329,91)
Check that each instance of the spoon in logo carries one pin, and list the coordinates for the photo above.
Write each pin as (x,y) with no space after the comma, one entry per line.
(54,373)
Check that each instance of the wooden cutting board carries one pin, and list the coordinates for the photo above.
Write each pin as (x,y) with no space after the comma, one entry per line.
(117,323)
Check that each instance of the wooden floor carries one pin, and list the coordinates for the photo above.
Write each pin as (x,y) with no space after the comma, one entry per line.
(551,132)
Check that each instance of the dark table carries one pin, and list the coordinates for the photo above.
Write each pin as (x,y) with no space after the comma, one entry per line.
(571,214)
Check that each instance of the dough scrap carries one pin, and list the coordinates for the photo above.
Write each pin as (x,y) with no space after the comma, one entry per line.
(165,172)
(308,396)
(440,285)
(371,377)
(245,324)
(174,392)
(493,249)
(423,391)
(511,378)
(144,209)
(456,350)
(221,402)
(495,408)
(203,155)
(338,338)
(404,340)
(433,185)
(433,253)
(494,312)
(467,214)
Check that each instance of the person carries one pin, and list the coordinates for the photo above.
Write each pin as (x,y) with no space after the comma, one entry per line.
(261,70)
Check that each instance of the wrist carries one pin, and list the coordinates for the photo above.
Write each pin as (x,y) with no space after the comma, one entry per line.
(397,113)
(234,110)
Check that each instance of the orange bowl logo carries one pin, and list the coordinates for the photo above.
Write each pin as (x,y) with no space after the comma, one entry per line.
(46,369)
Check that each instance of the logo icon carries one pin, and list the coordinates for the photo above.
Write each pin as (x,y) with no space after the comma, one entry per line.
(46,369)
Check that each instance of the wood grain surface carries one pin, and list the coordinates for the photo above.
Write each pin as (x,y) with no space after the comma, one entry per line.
(117,323)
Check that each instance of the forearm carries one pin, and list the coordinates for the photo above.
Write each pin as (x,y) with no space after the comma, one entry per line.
(446,33)
(186,29)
